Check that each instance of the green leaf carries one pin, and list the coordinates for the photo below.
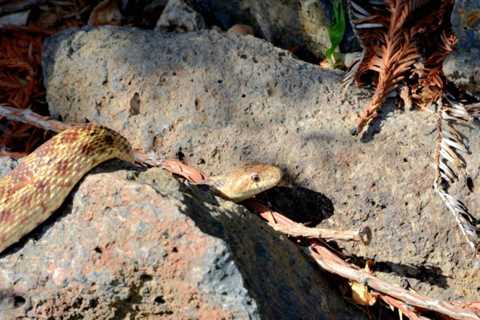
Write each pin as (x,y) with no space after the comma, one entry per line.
(336,30)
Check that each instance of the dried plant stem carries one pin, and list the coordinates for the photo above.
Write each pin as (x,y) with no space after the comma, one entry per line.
(330,262)
(371,111)
(284,225)
(391,61)
(32,118)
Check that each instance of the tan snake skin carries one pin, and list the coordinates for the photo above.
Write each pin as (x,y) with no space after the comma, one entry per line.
(41,182)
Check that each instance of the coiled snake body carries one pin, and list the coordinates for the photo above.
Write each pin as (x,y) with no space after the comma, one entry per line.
(41,182)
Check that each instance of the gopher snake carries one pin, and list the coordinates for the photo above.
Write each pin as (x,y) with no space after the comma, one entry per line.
(41,182)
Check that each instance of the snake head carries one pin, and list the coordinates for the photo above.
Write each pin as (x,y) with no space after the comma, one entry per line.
(246,182)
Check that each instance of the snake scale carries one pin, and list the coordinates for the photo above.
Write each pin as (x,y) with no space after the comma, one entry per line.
(40,183)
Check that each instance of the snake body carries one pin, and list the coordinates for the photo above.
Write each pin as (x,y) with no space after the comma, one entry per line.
(40,183)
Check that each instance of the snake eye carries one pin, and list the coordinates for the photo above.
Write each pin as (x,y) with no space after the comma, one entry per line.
(255,177)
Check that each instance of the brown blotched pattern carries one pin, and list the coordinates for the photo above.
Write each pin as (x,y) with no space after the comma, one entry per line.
(40,183)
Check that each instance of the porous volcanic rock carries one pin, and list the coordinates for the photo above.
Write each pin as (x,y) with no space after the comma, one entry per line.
(180,17)
(290,24)
(462,66)
(134,245)
(219,100)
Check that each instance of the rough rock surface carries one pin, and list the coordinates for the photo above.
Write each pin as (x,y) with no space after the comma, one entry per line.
(289,24)
(180,17)
(220,100)
(462,65)
(137,245)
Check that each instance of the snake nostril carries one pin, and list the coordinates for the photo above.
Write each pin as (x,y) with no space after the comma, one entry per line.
(255,177)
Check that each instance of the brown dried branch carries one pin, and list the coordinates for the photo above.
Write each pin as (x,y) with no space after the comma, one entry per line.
(330,262)
(388,50)
(179,168)
(368,26)
(430,85)
(32,118)
(394,59)
(284,225)
(388,37)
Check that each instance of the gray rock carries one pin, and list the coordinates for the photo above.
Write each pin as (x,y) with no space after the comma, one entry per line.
(288,24)
(462,65)
(180,17)
(136,245)
(7,165)
(220,100)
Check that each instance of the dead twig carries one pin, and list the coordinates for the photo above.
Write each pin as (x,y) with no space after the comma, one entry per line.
(284,225)
(330,262)
(32,118)
(179,168)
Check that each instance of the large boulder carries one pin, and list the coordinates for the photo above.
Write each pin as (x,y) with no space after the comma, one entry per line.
(135,245)
(219,100)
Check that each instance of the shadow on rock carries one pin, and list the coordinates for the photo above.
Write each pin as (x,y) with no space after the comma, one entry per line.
(276,274)
(299,204)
